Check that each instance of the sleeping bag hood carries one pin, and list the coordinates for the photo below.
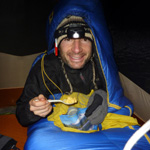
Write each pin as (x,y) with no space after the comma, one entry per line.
(92,13)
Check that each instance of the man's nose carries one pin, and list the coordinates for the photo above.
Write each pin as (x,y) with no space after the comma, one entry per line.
(76,46)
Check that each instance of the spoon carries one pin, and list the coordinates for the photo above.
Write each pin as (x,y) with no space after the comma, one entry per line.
(61,101)
(58,101)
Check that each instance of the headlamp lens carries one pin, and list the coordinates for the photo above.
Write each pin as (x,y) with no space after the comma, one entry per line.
(76,32)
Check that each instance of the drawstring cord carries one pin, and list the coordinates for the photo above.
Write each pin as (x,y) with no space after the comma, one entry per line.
(68,81)
(44,73)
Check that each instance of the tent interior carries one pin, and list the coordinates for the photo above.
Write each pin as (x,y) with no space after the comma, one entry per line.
(23,38)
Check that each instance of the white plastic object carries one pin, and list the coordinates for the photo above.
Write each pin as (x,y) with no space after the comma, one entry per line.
(137,135)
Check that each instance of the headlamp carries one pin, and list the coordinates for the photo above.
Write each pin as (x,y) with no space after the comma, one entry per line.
(76,32)
(72,30)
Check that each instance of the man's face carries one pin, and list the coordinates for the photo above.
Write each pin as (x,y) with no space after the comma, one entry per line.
(75,52)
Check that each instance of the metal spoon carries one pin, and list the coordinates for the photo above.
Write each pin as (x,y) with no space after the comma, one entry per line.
(58,101)
(61,101)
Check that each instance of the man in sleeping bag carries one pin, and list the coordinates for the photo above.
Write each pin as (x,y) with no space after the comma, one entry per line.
(79,60)
(78,64)
(71,68)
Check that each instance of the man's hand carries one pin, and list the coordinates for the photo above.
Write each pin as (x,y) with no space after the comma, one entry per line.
(97,107)
(40,106)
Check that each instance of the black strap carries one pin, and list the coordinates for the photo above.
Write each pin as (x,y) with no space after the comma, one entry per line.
(7,143)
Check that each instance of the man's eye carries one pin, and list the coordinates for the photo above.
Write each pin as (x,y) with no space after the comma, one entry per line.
(67,39)
(85,39)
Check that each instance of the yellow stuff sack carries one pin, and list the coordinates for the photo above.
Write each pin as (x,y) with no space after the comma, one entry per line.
(61,109)
(111,120)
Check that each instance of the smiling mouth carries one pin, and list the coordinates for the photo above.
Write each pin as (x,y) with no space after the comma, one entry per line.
(76,59)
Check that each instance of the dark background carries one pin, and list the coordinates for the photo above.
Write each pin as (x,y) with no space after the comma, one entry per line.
(23,26)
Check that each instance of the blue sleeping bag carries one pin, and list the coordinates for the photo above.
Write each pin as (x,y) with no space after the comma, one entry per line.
(44,135)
